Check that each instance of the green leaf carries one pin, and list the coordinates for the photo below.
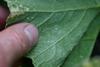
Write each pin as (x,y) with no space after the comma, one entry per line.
(82,52)
(51,5)
(59,32)
(61,25)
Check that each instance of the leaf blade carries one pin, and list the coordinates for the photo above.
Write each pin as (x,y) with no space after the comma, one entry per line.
(59,34)
(83,51)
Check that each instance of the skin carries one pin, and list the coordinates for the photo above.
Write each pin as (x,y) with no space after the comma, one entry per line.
(16,41)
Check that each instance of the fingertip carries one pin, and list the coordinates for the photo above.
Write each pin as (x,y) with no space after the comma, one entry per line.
(27,30)
(17,40)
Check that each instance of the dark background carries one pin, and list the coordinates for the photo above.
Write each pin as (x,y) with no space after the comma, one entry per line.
(96,50)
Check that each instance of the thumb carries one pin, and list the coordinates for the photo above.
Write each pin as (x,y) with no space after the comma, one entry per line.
(15,41)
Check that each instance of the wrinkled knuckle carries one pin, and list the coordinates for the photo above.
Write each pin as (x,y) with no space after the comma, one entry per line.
(19,39)
(17,36)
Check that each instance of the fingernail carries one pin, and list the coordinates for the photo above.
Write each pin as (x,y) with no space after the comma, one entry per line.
(32,33)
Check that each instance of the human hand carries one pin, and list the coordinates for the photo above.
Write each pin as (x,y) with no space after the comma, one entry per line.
(15,41)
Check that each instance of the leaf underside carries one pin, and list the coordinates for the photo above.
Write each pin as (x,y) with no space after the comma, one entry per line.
(61,24)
